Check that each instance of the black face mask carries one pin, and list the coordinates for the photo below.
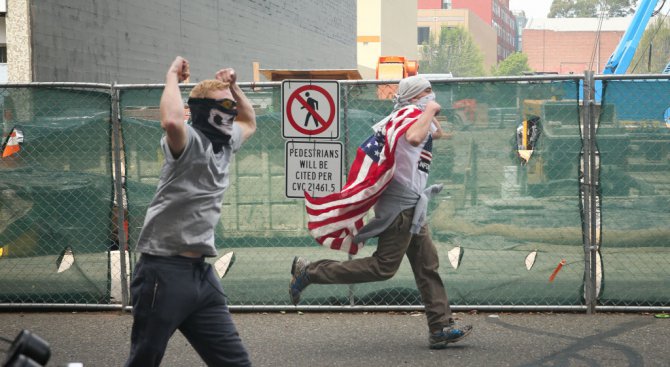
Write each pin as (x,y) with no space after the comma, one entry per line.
(214,118)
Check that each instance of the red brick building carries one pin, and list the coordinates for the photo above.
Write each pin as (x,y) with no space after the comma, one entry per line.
(495,13)
(571,45)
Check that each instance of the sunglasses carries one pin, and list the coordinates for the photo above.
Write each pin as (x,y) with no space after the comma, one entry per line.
(226,103)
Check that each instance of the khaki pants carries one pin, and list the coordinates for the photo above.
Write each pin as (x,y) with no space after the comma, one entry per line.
(394,243)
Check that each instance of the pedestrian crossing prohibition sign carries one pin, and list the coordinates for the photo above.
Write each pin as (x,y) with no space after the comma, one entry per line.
(310,109)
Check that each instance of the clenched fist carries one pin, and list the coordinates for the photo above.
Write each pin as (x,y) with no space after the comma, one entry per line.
(181,68)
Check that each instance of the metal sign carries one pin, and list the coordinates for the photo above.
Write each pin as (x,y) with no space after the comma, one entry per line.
(310,109)
(315,167)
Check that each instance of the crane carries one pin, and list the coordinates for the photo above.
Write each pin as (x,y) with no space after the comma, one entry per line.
(622,56)
(559,116)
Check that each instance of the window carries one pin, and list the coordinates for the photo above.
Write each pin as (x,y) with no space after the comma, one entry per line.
(424,35)
(3,54)
(446,4)
(445,28)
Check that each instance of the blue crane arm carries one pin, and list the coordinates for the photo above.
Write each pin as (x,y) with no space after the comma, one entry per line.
(622,56)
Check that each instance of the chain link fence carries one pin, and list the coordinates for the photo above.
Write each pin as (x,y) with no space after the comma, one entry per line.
(634,177)
(56,195)
(536,212)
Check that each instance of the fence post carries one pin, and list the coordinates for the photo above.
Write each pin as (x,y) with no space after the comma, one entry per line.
(119,192)
(347,140)
(589,192)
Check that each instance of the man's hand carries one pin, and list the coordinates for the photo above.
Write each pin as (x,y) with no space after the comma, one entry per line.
(180,68)
(246,116)
(417,133)
(227,75)
(433,108)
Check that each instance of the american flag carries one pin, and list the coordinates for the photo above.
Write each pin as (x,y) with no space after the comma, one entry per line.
(335,219)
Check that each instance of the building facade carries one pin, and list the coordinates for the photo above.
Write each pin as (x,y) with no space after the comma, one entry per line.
(571,45)
(385,28)
(128,41)
(3,50)
(521,20)
(432,20)
(495,13)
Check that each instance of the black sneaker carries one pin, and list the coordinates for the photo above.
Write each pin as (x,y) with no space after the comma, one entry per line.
(449,334)
(299,279)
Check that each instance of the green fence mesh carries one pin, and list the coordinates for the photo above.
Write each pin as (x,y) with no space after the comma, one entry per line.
(635,172)
(56,196)
(510,213)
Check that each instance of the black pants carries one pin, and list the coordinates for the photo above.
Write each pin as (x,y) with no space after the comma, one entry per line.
(170,293)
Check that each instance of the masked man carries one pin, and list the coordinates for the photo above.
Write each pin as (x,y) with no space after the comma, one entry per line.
(173,287)
(396,186)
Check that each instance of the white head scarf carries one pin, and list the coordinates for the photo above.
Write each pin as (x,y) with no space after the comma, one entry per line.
(409,88)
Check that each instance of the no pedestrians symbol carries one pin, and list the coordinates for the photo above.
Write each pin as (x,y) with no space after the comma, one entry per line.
(310,109)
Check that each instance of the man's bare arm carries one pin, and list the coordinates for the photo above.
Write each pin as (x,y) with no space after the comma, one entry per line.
(419,130)
(172,106)
(246,116)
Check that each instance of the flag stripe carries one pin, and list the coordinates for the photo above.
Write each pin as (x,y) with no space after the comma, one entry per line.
(361,194)
(335,219)
(344,218)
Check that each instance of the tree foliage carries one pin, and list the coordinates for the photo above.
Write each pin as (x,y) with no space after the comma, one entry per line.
(453,52)
(514,64)
(657,39)
(591,8)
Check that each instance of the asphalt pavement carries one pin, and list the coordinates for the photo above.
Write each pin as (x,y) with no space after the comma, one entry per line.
(371,339)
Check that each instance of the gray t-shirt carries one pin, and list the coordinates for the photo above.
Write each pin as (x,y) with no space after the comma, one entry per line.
(187,205)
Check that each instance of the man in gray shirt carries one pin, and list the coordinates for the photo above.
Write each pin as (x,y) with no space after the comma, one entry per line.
(173,287)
